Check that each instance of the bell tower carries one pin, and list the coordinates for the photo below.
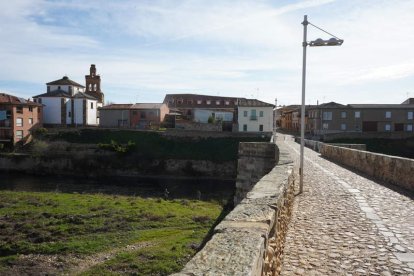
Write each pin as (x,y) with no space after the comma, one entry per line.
(93,84)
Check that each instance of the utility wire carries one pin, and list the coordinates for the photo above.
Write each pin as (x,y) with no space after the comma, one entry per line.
(323,30)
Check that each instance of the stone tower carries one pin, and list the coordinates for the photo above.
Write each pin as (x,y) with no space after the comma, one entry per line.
(93,84)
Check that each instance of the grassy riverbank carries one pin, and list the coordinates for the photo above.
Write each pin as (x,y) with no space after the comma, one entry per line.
(99,234)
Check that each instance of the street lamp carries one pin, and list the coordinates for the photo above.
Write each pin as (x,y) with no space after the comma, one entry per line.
(316,43)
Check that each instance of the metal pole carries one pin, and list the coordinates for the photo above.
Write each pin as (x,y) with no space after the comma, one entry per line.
(302,117)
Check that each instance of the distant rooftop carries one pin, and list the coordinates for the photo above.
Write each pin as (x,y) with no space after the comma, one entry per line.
(65,81)
(10,99)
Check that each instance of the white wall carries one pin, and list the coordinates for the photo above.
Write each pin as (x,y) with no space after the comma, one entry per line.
(68,109)
(78,110)
(92,112)
(254,125)
(65,88)
(51,110)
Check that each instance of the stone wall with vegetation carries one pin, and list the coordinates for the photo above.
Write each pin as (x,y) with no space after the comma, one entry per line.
(250,239)
(392,169)
(112,164)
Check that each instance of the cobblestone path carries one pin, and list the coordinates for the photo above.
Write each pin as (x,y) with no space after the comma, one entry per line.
(345,224)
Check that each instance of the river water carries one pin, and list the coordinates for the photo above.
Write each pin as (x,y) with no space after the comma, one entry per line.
(205,189)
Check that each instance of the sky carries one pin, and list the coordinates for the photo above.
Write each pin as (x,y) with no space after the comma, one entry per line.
(144,49)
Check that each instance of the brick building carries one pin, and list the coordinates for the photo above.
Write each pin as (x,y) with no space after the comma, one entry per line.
(139,115)
(18,118)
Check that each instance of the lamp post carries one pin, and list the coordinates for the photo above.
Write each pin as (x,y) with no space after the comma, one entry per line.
(318,42)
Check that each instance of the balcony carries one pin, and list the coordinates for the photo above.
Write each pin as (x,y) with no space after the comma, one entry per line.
(253,118)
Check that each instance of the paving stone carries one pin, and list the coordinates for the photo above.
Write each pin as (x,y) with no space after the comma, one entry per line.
(348,224)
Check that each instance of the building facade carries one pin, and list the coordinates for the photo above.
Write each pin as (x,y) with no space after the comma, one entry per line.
(18,118)
(254,116)
(67,102)
(335,118)
(139,116)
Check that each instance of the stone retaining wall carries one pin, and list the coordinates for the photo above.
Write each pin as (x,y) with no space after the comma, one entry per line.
(392,169)
(250,239)
(93,164)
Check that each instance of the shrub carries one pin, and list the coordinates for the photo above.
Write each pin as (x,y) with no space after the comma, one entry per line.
(39,147)
(41,131)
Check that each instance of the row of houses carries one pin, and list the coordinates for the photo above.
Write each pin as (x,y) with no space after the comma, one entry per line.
(68,103)
(333,117)
(193,112)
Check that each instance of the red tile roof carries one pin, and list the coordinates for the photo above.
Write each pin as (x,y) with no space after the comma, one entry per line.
(10,99)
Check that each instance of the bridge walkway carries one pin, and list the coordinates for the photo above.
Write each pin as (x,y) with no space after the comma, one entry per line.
(346,224)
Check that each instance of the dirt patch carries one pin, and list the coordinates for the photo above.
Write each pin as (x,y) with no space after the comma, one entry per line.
(36,264)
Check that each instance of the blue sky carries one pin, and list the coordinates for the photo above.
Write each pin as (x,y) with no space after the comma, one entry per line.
(145,49)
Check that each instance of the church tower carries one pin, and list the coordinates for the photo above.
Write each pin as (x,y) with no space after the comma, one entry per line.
(93,84)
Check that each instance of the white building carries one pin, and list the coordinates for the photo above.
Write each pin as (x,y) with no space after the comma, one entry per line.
(254,115)
(68,103)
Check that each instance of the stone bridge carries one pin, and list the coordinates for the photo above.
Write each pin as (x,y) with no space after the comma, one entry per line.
(346,222)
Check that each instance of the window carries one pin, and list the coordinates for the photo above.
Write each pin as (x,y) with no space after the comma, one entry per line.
(327,116)
(69,114)
(244,127)
(227,102)
(387,127)
(253,115)
(409,127)
(398,127)
(245,113)
(19,109)
(410,115)
(39,100)
(217,102)
(343,114)
(387,114)
(134,113)
(143,115)
(325,126)
(357,114)
(30,121)
(261,113)
(343,126)
(31,108)
(208,102)
(48,88)
(91,105)
(19,134)
(199,101)
(19,122)
(260,127)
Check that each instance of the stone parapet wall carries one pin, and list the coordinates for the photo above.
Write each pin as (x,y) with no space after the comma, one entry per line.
(392,169)
(316,145)
(255,160)
(250,239)
(368,135)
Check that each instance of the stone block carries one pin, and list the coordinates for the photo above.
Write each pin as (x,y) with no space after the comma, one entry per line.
(236,252)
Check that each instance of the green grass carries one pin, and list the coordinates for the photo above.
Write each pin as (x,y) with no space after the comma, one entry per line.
(400,147)
(84,225)
(154,145)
